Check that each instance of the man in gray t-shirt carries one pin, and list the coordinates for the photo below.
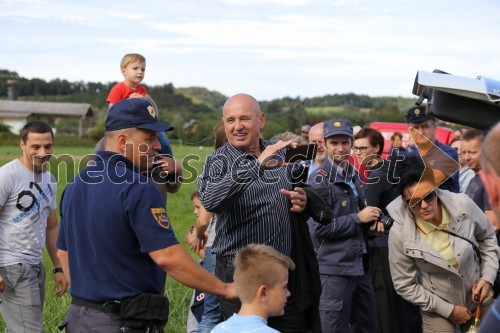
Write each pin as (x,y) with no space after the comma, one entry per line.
(476,191)
(472,152)
(28,222)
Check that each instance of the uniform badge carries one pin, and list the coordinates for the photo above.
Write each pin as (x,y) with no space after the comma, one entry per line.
(151,111)
(417,112)
(337,124)
(344,203)
(322,172)
(161,217)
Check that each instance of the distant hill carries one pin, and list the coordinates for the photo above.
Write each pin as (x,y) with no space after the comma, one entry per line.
(179,106)
(200,95)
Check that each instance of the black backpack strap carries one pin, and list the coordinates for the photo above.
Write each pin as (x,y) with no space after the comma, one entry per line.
(474,246)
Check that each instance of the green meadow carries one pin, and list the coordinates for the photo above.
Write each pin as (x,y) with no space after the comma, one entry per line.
(67,161)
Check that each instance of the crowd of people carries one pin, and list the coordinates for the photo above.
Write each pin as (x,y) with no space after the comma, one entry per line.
(361,243)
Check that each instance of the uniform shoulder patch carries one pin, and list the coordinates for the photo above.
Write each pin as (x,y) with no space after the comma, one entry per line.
(161,217)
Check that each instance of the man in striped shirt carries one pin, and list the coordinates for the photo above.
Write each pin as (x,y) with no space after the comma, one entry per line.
(244,183)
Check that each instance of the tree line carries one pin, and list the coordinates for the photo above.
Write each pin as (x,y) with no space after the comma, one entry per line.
(200,106)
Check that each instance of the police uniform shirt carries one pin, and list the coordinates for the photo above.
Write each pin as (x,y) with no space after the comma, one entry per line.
(111,218)
(451,184)
(340,244)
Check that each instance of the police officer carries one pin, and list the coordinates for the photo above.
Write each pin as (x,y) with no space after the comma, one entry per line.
(422,127)
(115,239)
(347,299)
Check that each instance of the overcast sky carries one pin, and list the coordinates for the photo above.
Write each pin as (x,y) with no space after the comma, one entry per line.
(267,48)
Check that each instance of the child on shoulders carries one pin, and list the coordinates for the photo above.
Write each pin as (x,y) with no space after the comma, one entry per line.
(133,67)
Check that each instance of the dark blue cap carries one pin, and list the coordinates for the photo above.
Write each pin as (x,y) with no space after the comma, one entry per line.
(418,114)
(337,127)
(134,113)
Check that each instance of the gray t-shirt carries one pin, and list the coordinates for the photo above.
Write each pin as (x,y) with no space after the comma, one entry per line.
(478,194)
(464,177)
(27,198)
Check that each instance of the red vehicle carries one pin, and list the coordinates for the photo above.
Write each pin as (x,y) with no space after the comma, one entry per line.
(443,134)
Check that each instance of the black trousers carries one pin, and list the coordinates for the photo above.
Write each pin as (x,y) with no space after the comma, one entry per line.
(291,322)
(395,315)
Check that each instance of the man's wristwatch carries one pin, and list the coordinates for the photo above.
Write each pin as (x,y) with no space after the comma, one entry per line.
(58,270)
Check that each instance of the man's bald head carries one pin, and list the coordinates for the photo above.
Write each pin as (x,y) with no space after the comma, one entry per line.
(490,172)
(317,129)
(242,122)
(316,136)
(242,100)
(491,153)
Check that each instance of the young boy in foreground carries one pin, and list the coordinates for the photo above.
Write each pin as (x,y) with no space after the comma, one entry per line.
(261,278)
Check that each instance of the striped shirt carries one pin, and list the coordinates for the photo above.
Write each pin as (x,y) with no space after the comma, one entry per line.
(247,201)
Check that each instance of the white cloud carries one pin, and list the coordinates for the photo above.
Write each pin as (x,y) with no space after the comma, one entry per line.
(286,3)
(267,45)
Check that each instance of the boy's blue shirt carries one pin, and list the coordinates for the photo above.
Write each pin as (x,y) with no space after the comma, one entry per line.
(244,324)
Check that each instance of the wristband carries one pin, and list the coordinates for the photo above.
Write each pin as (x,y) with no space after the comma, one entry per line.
(58,270)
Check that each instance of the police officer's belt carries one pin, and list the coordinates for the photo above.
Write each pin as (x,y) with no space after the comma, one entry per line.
(111,307)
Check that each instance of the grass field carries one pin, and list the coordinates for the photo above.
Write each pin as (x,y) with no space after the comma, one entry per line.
(179,209)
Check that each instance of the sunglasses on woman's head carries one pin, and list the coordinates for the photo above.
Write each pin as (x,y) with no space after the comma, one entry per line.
(428,198)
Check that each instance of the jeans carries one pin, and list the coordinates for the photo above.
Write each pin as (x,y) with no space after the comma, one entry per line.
(21,303)
(211,313)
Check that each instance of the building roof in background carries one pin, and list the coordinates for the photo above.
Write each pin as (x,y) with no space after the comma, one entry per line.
(24,109)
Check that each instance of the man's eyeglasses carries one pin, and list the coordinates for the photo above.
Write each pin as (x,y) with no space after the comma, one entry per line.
(361,149)
(428,198)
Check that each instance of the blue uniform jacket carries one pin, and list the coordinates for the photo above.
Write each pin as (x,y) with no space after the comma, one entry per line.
(451,184)
(340,245)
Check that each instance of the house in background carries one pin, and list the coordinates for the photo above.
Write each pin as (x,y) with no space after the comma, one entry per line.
(16,113)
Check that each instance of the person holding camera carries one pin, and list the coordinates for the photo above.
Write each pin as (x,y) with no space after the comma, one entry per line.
(394,313)
(443,253)
(347,300)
